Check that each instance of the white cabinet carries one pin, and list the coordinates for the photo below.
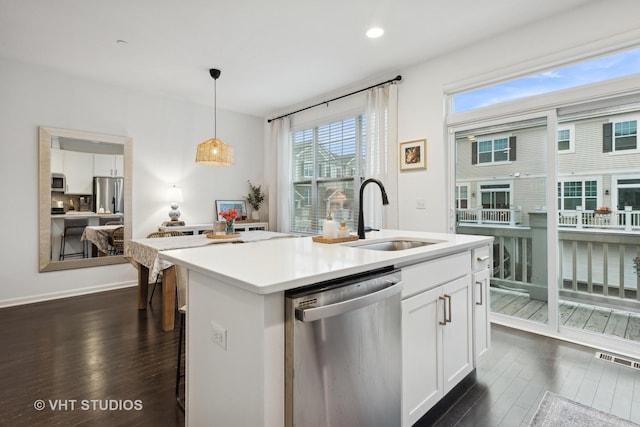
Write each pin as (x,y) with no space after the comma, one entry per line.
(437,335)
(78,170)
(57,160)
(481,322)
(108,165)
(482,263)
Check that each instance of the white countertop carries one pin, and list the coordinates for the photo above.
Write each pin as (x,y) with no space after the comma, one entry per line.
(277,265)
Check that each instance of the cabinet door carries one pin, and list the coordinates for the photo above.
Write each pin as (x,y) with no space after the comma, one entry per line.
(421,359)
(118,165)
(103,165)
(457,333)
(481,323)
(57,161)
(78,169)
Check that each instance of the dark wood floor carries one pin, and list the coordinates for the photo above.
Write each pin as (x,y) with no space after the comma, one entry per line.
(520,367)
(94,347)
(99,347)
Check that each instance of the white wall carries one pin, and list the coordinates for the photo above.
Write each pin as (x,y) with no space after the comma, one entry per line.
(165,134)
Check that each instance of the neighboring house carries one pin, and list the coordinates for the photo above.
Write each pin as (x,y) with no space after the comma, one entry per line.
(504,172)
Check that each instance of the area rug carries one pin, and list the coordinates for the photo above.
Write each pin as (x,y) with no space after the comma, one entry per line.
(556,410)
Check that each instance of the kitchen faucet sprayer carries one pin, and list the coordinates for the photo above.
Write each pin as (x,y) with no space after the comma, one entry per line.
(385,201)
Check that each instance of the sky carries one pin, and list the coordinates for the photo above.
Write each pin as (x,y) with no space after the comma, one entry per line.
(595,70)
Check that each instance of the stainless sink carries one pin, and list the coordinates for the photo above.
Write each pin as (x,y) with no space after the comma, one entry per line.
(395,245)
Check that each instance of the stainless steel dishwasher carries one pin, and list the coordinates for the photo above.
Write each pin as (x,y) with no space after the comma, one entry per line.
(343,352)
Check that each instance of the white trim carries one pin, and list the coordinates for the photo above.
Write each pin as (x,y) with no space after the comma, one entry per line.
(65,294)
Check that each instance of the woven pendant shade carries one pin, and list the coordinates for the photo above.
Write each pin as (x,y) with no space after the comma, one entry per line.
(214,152)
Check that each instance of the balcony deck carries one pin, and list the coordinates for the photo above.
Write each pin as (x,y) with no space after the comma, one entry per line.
(583,316)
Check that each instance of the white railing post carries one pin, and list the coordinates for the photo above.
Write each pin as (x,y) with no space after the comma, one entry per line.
(627,219)
(479,215)
(579,217)
(512,216)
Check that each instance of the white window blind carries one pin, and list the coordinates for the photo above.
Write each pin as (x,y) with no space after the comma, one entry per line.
(327,162)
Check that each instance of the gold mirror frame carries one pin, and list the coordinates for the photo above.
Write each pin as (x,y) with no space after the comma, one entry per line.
(44,210)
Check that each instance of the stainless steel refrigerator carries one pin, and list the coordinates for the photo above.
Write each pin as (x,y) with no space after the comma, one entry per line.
(108,194)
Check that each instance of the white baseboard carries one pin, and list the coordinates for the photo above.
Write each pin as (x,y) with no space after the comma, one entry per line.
(65,294)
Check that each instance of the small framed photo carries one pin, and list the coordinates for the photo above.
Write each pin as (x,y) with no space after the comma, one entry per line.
(239,205)
(413,155)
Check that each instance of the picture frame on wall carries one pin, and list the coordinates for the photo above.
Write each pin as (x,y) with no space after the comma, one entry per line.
(413,155)
(223,205)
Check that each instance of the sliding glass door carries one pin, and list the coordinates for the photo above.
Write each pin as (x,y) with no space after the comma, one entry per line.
(502,169)
(598,203)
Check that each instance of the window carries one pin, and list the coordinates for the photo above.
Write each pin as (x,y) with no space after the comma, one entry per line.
(462,196)
(628,192)
(625,135)
(586,72)
(566,138)
(572,194)
(618,136)
(487,149)
(327,163)
(495,196)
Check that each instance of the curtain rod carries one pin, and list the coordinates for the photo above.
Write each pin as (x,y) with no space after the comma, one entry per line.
(396,79)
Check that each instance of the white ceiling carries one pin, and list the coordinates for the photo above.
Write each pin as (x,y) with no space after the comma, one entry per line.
(273,54)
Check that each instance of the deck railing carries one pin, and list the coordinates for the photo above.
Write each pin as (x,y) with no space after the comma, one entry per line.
(595,265)
(627,220)
(489,216)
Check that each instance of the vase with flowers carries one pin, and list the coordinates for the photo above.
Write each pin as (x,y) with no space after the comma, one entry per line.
(229,216)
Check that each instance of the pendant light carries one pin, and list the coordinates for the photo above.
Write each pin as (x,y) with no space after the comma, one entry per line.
(214,152)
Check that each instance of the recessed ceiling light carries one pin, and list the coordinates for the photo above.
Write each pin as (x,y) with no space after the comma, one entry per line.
(375,32)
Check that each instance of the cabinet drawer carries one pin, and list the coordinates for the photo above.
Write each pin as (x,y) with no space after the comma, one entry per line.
(482,258)
(420,277)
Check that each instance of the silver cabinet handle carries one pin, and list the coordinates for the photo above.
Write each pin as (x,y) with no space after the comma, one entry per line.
(448,320)
(444,310)
(312,314)
(482,258)
(480,283)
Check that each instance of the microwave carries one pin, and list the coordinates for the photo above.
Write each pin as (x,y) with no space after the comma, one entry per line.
(58,182)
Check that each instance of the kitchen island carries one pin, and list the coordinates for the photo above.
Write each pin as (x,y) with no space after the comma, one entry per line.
(236,319)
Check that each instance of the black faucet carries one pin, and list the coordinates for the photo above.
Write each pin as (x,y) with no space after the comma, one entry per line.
(385,201)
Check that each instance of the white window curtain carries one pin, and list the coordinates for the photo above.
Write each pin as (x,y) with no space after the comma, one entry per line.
(381,113)
(277,174)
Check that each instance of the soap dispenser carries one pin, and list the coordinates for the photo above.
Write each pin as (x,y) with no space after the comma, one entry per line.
(329,228)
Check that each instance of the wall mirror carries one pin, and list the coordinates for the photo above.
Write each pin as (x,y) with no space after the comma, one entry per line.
(84,198)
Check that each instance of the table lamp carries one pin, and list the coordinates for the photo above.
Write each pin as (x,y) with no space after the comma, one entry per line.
(174,195)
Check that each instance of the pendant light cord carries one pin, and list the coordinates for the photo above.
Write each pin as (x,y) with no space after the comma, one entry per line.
(215,108)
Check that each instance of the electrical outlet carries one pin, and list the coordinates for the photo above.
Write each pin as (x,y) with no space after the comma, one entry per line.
(421,204)
(219,335)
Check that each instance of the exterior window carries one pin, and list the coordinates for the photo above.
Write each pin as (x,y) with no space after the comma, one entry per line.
(566,139)
(628,192)
(625,135)
(321,154)
(572,194)
(307,169)
(462,196)
(496,149)
(495,196)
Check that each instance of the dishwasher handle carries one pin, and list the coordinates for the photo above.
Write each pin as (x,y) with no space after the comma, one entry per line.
(312,314)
